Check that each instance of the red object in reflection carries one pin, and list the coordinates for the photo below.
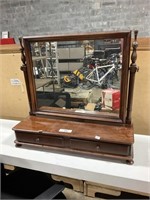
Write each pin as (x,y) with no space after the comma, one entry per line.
(4,41)
(111,98)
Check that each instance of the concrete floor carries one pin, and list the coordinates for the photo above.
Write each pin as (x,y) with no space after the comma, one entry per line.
(92,95)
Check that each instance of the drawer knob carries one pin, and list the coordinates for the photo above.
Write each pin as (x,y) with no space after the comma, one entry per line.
(97,147)
(37,139)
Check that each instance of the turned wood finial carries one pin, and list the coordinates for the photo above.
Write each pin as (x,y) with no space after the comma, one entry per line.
(23,58)
(133,69)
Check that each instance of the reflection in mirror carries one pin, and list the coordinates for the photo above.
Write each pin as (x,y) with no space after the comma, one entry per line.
(79,75)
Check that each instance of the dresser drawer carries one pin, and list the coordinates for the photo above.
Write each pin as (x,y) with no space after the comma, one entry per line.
(101,147)
(36,138)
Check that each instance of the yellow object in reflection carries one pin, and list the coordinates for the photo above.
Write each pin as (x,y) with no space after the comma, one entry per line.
(78,73)
(67,79)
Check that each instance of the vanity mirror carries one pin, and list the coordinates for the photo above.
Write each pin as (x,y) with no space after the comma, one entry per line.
(81,81)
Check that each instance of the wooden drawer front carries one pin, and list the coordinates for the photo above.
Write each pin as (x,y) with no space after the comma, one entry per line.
(118,149)
(40,139)
(84,145)
(101,147)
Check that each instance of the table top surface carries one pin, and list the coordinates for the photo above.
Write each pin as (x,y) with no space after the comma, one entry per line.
(134,177)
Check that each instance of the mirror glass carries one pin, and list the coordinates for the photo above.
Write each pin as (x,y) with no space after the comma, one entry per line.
(81,76)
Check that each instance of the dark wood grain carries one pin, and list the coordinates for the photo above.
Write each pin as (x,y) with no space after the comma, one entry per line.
(85,139)
(115,134)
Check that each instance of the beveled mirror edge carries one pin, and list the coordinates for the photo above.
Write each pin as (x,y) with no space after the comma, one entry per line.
(124,82)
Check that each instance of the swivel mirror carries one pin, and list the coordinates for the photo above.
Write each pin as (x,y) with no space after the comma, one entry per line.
(81,80)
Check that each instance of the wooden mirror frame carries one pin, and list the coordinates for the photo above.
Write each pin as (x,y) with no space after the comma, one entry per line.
(127,79)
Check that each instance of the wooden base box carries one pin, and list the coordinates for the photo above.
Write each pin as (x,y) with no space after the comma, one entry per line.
(76,137)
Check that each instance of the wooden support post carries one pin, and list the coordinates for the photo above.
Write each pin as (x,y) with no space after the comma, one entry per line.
(133,69)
